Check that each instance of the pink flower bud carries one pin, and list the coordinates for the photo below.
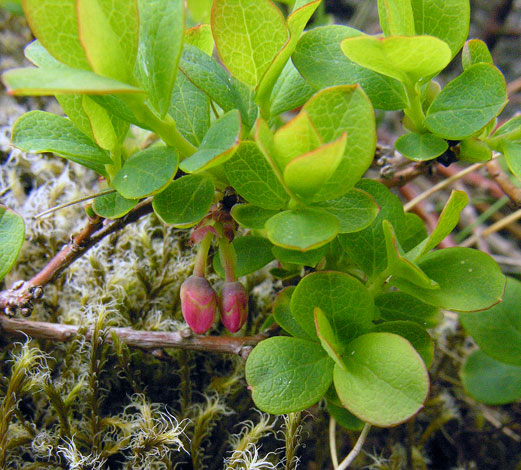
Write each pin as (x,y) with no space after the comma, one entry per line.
(198,303)
(234,306)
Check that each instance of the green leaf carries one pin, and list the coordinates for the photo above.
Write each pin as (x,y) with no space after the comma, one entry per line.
(497,331)
(109,31)
(218,145)
(201,37)
(475,51)
(320,60)
(296,23)
(489,381)
(146,172)
(113,205)
(344,418)
(45,82)
(337,110)
(467,103)
(366,248)
(407,59)
(396,18)
(252,252)
(448,219)
(283,316)
(39,56)
(415,334)
(355,210)
(161,31)
(414,232)
(199,10)
(512,154)
(307,258)
(448,20)
(101,123)
(72,105)
(12,236)
(399,266)
(190,109)
(346,302)
(250,216)
(288,374)
(328,338)
(468,279)
(46,17)
(474,150)
(386,368)
(185,201)
(254,179)
(511,126)
(303,229)
(39,132)
(290,90)
(248,34)
(306,173)
(294,138)
(420,147)
(395,306)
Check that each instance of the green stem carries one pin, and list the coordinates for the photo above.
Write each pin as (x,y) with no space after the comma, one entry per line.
(228,259)
(202,255)
(415,111)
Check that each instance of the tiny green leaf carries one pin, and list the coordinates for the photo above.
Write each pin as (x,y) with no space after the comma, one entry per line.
(396,305)
(113,205)
(251,216)
(12,235)
(303,229)
(355,210)
(45,82)
(420,147)
(407,59)
(346,302)
(386,368)
(108,31)
(448,20)
(254,179)
(468,279)
(467,103)
(288,374)
(320,60)
(248,34)
(475,51)
(218,145)
(307,258)
(146,172)
(448,219)
(490,381)
(161,30)
(185,201)
(328,339)
(38,132)
(252,253)
(283,316)
(306,173)
(497,331)
(415,334)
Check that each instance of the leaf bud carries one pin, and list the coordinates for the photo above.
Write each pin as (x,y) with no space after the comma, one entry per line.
(198,303)
(234,306)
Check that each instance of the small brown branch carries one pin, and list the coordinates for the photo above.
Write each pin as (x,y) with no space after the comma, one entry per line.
(502,179)
(407,174)
(146,340)
(22,294)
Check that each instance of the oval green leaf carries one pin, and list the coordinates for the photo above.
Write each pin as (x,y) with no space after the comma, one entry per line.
(251,216)
(185,201)
(386,368)
(12,235)
(396,305)
(146,172)
(113,205)
(302,230)
(421,147)
(288,374)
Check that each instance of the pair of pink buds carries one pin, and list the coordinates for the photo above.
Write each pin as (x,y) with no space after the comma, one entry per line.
(199,304)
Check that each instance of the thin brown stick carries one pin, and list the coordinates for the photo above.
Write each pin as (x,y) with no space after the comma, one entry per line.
(407,174)
(475,179)
(147,340)
(22,294)
(502,179)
